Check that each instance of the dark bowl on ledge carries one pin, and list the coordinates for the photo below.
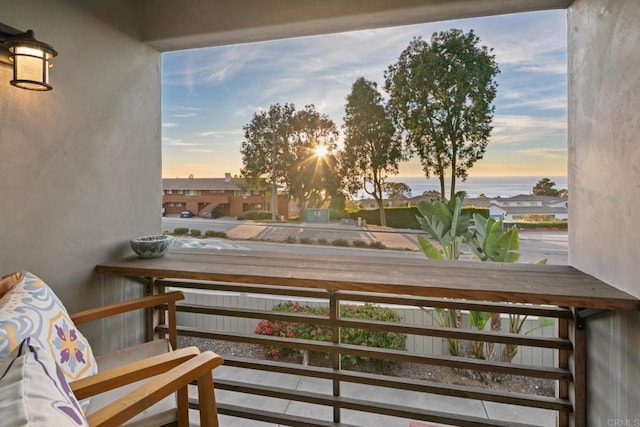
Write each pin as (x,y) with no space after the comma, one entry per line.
(151,246)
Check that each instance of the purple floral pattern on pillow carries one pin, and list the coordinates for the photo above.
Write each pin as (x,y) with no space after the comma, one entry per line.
(31,309)
(70,350)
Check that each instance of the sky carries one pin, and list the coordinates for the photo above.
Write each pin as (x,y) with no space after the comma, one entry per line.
(209,94)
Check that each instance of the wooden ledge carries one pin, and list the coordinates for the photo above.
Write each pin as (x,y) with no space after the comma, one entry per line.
(516,283)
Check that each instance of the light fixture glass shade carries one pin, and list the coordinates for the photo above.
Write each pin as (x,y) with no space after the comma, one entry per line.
(31,61)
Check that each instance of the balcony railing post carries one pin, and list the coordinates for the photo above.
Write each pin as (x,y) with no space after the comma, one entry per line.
(578,367)
(334,315)
(562,391)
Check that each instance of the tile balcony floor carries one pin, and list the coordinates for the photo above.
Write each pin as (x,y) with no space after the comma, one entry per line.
(455,405)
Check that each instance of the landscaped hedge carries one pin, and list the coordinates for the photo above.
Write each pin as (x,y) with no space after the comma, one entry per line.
(390,340)
(256,215)
(405,217)
(547,225)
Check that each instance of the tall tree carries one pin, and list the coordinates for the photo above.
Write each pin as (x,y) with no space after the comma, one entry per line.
(313,169)
(282,144)
(372,151)
(397,190)
(545,187)
(441,94)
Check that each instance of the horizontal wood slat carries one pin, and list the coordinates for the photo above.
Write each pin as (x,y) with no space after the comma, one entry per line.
(124,307)
(403,383)
(270,417)
(543,342)
(362,405)
(380,353)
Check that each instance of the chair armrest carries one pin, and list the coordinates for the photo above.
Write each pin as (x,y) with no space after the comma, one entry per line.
(130,373)
(128,406)
(126,306)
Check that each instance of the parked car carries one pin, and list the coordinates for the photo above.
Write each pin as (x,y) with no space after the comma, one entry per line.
(186,214)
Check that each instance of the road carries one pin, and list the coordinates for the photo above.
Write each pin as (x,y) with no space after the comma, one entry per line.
(249,235)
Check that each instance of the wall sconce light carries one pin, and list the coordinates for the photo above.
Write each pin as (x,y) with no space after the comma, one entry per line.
(29,58)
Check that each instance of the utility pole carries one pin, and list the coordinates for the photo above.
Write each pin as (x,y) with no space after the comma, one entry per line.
(274,191)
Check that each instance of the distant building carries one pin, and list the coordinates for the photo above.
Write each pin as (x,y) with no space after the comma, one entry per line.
(517,207)
(214,197)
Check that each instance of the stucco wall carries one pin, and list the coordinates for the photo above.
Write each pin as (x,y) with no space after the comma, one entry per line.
(81,165)
(604,188)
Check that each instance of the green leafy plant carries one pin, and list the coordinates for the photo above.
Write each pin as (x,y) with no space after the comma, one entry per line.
(307,241)
(448,226)
(290,239)
(195,232)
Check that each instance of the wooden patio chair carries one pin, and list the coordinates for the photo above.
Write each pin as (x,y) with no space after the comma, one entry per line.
(147,382)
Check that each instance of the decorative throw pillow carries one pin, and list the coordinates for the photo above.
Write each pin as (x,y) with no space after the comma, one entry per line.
(31,309)
(34,392)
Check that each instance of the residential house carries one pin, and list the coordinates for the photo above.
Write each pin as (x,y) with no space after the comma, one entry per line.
(212,197)
(522,205)
(98,136)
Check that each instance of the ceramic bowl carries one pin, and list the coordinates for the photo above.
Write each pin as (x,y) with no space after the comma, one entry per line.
(151,246)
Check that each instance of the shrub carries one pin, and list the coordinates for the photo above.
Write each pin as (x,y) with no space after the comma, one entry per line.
(256,215)
(353,336)
(195,233)
(181,231)
(323,242)
(213,233)
(340,242)
(307,241)
(360,244)
(376,244)
(290,239)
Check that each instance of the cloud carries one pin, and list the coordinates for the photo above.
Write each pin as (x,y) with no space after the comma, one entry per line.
(552,102)
(510,129)
(169,125)
(545,152)
(177,142)
(221,134)
(184,115)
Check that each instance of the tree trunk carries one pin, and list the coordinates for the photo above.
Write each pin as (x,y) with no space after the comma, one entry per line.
(377,188)
(442,188)
(496,327)
(383,217)
(454,169)
(453,184)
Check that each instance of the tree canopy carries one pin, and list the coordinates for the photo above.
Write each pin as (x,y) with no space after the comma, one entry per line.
(441,95)
(283,143)
(545,187)
(397,190)
(372,150)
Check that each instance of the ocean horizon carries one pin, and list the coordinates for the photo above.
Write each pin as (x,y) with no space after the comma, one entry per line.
(490,186)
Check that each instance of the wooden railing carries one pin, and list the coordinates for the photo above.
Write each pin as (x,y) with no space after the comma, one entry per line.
(333,299)
(518,289)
